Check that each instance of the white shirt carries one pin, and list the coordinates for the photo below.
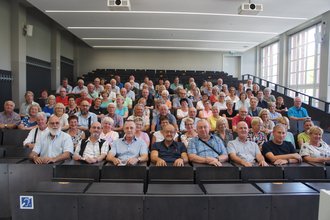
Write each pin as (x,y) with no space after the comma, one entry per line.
(93,149)
(30,138)
(48,147)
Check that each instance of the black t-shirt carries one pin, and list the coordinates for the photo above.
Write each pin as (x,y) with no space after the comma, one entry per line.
(224,112)
(285,148)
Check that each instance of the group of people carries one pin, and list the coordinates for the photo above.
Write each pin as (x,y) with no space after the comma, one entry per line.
(166,124)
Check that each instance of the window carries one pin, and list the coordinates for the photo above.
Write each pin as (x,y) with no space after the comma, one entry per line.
(304,62)
(269,62)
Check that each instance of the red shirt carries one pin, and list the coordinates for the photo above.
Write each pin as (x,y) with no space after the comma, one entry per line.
(64,101)
(79,100)
(237,119)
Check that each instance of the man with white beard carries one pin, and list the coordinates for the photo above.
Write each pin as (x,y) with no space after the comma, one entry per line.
(54,146)
(93,149)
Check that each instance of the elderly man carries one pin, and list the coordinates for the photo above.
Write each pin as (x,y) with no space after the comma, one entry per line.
(163,111)
(118,121)
(130,93)
(168,150)
(91,93)
(8,118)
(206,148)
(65,85)
(192,113)
(98,87)
(129,150)
(54,146)
(182,95)
(62,98)
(139,111)
(254,109)
(242,151)
(85,117)
(242,116)
(93,149)
(80,86)
(176,83)
(35,134)
(29,97)
(127,100)
(114,86)
(83,96)
(261,102)
(149,98)
(278,151)
(297,112)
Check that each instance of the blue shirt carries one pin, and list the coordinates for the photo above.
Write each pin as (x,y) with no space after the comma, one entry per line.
(85,121)
(297,112)
(156,121)
(196,146)
(170,153)
(123,150)
(48,147)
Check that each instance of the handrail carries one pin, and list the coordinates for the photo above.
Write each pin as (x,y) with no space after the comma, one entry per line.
(322,105)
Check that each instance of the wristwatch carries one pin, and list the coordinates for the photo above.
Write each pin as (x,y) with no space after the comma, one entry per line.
(6,126)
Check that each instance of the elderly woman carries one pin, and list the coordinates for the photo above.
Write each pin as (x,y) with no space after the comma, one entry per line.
(30,121)
(60,113)
(49,108)
(72,108)
(232,95)
(160,135)
(229,113)
(206,112)
(190,132)
(289,136)
(213,118)
(105,99)
(280,106)
(255,89)
(76,134)
(267,95)
(316,151)
(222,130)
(200,104)
(303,137)
(183,111)
(214,94)
(107,133)
(120,108)
(138,131)
(166,98)
(255,134)
(267,124)
(221,103)
(243,101)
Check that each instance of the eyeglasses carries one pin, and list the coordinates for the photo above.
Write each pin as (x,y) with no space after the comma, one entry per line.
(54,123)
(96,127)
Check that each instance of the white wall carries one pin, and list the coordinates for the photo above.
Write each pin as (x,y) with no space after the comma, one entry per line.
(5,33)
(67,47)
(39,45)
(91,59)
(249,62)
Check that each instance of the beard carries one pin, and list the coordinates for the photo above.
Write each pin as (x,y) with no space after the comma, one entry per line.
(54,131)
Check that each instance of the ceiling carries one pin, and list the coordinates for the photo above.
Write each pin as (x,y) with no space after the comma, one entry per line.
(205,25)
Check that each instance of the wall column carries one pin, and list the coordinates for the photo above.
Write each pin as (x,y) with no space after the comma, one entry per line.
(55,57)
(18,55)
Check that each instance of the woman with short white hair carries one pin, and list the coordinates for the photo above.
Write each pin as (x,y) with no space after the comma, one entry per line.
(107,133)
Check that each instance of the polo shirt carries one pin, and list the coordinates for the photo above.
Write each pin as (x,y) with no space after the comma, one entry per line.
(123,150)
(247,151)
(297,112)
(237,119)
(170,153)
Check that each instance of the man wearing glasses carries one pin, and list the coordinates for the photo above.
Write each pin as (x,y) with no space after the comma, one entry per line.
(93,149)
(54,146)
